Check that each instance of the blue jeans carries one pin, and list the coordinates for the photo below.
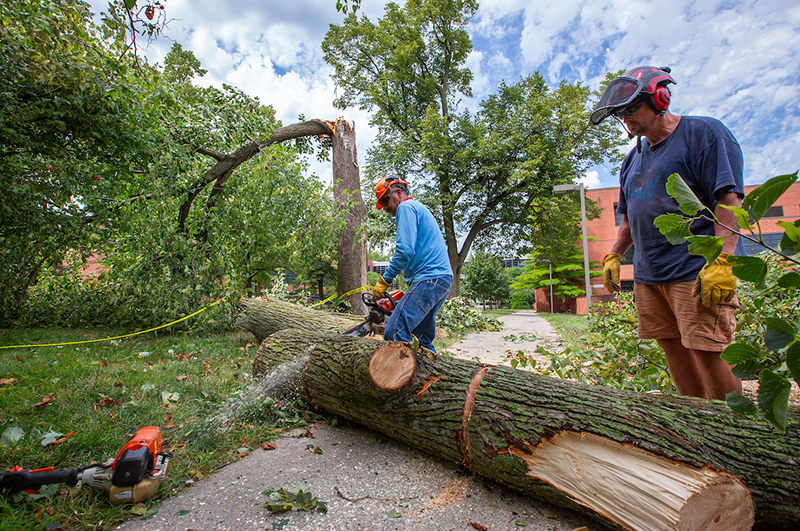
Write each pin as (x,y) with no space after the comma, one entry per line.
(416,312)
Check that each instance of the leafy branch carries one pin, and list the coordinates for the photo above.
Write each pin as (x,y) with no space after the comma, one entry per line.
(775,353)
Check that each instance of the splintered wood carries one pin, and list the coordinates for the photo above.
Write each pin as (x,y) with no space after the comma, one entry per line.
(638,490)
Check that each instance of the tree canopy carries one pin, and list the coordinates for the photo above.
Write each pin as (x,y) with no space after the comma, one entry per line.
(478,172)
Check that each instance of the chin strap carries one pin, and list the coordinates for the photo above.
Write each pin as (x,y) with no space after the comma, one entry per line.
(630,135)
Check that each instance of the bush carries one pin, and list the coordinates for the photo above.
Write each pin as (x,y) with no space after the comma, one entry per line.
(458,317)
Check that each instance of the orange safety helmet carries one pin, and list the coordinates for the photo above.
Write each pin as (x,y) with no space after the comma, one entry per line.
(384,185)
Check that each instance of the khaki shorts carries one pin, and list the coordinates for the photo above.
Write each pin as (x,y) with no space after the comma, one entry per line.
(670,312)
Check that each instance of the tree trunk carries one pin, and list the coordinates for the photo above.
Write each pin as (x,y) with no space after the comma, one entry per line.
(347,194)
(263,317)
(632,460)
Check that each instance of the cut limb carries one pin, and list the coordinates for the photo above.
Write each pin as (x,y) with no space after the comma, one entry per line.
(606,475)
(392,365)
(497,420)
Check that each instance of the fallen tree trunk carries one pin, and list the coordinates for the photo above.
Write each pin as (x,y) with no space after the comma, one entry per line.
(262,317)
(631,460)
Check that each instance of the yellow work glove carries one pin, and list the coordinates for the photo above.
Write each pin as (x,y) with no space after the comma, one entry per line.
(611,272)
(716,282)
(380,289)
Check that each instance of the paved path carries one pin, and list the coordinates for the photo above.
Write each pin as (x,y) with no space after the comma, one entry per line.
(363,476)
(523,330)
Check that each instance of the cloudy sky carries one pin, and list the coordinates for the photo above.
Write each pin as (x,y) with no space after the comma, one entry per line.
(733,60)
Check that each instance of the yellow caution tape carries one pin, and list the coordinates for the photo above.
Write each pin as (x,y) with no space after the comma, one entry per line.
(118,337)
(362,288)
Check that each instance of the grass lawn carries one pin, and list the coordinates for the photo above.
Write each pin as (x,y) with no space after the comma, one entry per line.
(500,313)
(96,395)
(568,326)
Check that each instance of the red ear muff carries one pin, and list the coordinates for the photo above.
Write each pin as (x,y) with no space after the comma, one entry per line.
(661,99)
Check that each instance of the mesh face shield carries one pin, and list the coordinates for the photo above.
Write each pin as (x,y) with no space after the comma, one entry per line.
(619,93)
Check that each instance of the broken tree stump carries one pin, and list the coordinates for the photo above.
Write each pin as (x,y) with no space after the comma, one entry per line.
(630,460)
(262,317)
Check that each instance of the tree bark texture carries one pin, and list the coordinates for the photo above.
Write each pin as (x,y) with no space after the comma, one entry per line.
(352,248)
(262,317)
(525,431)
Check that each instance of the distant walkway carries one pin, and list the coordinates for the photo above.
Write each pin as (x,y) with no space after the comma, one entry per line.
(491,348)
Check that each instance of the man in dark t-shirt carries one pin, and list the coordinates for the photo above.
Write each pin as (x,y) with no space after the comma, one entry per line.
(682,302)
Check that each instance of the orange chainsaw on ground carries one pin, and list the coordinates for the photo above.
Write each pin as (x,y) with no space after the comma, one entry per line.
(133,476)
(378,310)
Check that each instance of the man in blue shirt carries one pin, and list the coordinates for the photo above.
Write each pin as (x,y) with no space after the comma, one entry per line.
(421,254)
(682,302)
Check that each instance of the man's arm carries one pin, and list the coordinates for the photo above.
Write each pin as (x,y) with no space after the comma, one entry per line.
(624,240)
(728,218)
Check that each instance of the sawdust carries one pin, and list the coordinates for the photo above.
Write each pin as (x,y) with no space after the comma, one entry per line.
(452,492)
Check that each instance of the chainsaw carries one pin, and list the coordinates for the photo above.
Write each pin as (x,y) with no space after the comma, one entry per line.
(378,310)
(133,476)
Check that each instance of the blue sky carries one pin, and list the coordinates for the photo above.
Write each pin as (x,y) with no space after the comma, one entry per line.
(734,60)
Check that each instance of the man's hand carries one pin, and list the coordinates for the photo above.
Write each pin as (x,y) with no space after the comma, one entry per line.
(380,289)
(716,282)
(611,272)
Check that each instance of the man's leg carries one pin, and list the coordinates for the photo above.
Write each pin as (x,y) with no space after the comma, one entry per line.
(426,330)
(717,373)
(421,298)
(685,368)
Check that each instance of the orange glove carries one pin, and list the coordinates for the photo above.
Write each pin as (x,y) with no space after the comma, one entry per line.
(611,269)
(716,282)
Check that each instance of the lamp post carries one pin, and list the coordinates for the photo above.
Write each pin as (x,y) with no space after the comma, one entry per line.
(563,189)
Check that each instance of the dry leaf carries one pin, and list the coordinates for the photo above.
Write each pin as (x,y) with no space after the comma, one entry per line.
(309,434)
(181,377)
(45,400)
(479,527)
(268,446)
(119,384)
(104,362)
(8,381)
(66,437)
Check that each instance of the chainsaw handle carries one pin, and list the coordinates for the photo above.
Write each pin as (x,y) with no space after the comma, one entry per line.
(18,478)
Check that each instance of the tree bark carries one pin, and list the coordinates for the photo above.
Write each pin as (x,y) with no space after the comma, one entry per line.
(631,460)
(352,248)
(263,317)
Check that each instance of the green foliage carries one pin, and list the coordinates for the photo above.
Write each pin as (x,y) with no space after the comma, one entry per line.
(609,353)
(458,317)
(479,173)
(283,498)
(485,279)
(768,342)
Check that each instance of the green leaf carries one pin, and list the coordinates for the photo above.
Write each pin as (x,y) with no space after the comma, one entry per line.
(749,268)
(740,404)
(138,509)
(50,437)
(394,513)
(183,512)
(680,191)
(736,353)
(11,436)
(130,4)
(773,397)
(789,280)
(762,198)
(708,247)
(793,361)
(779,333)
(742,216)
(674,227)
(791,236)
(169,396)
(152,511)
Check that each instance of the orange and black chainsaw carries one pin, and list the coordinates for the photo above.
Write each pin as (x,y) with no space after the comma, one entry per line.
(133,476)
(378,310)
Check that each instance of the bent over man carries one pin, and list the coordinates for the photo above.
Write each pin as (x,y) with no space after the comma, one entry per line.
(420,253)
(683,303)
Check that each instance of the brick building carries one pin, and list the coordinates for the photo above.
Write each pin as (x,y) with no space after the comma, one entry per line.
(604,231)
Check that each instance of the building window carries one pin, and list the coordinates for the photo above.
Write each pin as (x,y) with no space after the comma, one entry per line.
(751,248)
(617,217)
(627,258)
(774,212)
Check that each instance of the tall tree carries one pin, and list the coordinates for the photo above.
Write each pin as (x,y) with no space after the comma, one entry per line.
(485,278)
(478,173)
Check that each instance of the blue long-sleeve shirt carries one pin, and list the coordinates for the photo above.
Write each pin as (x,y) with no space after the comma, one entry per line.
(420,252)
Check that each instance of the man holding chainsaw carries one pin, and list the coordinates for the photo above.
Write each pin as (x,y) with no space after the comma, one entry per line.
(420,253)
(683,303)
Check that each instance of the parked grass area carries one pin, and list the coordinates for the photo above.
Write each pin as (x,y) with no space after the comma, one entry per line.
(197,389)
(569,326)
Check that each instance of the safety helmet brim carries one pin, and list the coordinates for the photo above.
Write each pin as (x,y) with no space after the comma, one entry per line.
(623,90)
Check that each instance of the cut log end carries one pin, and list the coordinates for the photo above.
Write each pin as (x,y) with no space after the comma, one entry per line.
(392,366)
(639,490)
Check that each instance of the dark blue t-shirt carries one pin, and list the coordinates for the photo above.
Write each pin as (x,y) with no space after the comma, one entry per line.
(707,156)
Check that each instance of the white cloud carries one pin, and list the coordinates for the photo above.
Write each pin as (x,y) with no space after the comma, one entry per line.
(591,180)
